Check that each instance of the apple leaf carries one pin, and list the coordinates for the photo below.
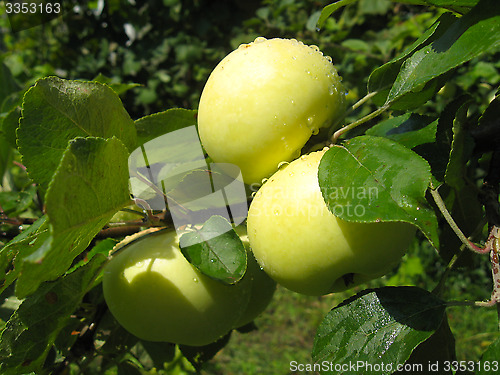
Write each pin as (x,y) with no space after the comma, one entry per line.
(157,124)
(33,327)
(13,253)
(384,76)
(9,84)
(89,186)
(377,327)
(216,250)
(410,129)
(329,9)
(489,360)
(374,179)
(5,151)
(470,36)
(56,111)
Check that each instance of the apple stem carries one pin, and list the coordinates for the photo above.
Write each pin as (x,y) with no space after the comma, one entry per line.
(359,122)
(444,211)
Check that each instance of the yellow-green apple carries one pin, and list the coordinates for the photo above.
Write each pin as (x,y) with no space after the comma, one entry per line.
(307,249)
(264,100)
(157,295)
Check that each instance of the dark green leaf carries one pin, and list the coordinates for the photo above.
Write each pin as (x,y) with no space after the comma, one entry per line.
(154,354)
(119,88)
(461,149)
(5,151)
(23,245)
(456,5)
(437,349)
(490,359)
(8,83)
(198,355)
(9,126)
(380,180)
(89,186)
(155,125)
(32,329)
(410,129)
(384,76)
(380,326)
(14,203)
(216,250)
(329,9)
(56,111)
(472,35)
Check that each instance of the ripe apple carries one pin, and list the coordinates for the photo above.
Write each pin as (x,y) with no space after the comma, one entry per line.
(305,248)
(157,295)
(263,102)
(262,286)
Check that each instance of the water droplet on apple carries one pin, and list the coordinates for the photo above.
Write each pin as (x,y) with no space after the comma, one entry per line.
(282,164)
(259,39)
(329,59)
(195,280)
(264,180)
(315,131)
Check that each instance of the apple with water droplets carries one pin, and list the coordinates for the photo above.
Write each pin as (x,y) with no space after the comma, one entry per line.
(307,249)
(263,102)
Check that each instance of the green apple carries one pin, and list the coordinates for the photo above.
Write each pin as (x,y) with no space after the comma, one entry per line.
(264,100)
(305,248)
(157,295)
(262,286)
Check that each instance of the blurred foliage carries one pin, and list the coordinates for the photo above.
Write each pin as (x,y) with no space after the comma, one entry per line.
(169,47)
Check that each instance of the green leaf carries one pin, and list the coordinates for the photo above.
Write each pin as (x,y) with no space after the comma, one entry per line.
(410,129)
(489,360)
(9,126)
(329,9)
(198,355)
(377,327)
(33,328)
(9,84)
(13,253)
(56,111)
(384,76)
(119,88)
(216,250)
(470,36)
(157,124)
(15,202)
(380,180)
(455,5)
(89,186)
(437,349)
(461,149)
(5,151)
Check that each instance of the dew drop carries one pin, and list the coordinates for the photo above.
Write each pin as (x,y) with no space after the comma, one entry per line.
(212,260)
(140,264)
(329,59)
(282,164)
(316,48)
(259,39)
(332,90)
(195,280)
(264,180)
(310,120)
(276,212)
(315,131)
